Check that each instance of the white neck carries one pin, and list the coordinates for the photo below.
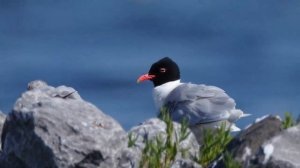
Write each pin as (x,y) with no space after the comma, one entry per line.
(162,91)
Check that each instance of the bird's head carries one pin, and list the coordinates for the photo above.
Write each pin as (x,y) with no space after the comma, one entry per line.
(161,72)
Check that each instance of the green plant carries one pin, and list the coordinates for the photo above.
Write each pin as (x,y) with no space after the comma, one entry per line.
(229,161)
(214,143)
(160,153)
(288,120)
(152,153)
(131,140)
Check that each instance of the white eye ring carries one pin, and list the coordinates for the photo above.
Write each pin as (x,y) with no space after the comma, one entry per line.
(163,70)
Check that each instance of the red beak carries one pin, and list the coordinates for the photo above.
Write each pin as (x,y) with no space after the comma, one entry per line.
(145,77)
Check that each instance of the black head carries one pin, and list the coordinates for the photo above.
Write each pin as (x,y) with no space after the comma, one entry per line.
(164,70)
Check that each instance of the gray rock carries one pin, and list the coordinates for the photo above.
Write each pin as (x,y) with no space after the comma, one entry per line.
(278,164)
(10,161)
(53,127)
(283,150)
(154,127)
(247,144)
(38,84)
(129,158)
(183,163)
(2,119)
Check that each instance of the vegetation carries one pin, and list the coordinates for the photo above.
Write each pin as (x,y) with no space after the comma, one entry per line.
(229,161)
(131,140)
(214,143)
(161,152)
(288,120)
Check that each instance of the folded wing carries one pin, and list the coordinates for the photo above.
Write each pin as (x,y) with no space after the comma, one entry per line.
(199,104)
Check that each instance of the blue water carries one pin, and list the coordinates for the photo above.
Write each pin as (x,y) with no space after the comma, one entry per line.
(249,48)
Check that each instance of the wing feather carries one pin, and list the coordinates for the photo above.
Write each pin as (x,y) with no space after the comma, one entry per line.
(199,104)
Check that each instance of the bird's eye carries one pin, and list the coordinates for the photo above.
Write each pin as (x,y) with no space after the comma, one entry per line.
(163,70)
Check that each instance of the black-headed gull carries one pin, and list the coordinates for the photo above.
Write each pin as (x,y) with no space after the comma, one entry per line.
(200,104)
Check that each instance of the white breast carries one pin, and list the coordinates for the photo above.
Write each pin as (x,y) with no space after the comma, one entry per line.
(161,92)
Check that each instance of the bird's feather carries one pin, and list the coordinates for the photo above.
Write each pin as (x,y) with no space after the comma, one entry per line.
(199,104)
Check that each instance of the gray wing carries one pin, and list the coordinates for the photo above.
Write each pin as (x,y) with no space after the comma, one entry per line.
(199,104)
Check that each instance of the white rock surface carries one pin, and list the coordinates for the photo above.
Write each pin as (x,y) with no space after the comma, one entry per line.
(286,147)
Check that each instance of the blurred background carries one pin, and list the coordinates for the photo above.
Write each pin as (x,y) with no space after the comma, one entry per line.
(250,48)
